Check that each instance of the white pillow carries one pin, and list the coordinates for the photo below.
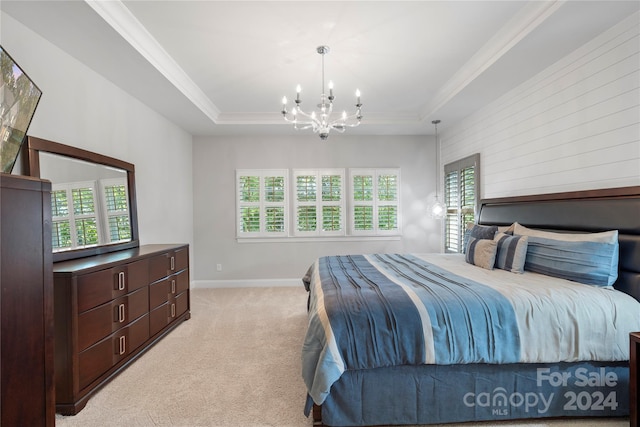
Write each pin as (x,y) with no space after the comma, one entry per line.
(602,237)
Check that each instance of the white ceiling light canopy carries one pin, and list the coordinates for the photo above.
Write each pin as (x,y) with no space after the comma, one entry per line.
(321,122)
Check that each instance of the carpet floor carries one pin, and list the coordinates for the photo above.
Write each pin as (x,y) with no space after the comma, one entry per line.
(235,363)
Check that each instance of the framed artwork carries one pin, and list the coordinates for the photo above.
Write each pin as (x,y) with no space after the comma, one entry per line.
(19,97)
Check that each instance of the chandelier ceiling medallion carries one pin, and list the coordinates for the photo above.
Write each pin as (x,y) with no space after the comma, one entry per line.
(321,121)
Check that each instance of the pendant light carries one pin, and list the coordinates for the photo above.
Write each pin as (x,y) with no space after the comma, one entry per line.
(437,209)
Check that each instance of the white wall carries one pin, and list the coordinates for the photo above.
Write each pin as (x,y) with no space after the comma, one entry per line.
(81,108)
(216,159)
(575,126)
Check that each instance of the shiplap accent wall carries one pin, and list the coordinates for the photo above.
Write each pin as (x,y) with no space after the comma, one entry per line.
(574,126)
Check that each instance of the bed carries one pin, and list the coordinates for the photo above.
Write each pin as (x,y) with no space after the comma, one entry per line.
(401,339)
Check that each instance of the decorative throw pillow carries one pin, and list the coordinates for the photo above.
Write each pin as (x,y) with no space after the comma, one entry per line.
(507,229)
(604,236)
(481,252)
(511,253)
(484,231)
(466,236)
(590,258)
(592,263)
(479,232)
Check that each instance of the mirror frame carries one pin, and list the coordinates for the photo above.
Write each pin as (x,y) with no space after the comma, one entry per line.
(31,150)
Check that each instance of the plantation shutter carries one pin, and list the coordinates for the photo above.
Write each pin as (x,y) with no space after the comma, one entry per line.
(461,199)
(74,216)
(262,203)
(116,209)
(319,202)
(375,201)
(61,221)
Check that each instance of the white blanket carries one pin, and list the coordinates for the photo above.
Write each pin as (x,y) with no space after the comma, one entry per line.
(558,320)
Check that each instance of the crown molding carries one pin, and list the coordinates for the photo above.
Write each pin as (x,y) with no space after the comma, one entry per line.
(276,119)
(120,18)
(523,23)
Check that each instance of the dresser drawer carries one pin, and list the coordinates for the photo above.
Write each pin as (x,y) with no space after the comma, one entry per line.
(168,263)
(158,318)
(97,323)
(101,357)
(182,303)
(161,291)
(161,316)
(104,285)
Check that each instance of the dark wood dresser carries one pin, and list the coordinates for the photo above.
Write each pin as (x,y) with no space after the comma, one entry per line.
(26,303)
(634,378)
(109,309)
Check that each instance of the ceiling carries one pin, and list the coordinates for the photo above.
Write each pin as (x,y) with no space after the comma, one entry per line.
(222,67)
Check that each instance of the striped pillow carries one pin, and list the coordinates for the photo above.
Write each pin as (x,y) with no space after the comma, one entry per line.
(592,263)
(479,232)
(481,252)
(590,258)
(512,252)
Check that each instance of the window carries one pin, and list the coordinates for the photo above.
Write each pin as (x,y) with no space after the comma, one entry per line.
(81,217)
(262,203)
(461,194)
(375,201)
(322,205)
(319,202)
(74,216)
(115,204)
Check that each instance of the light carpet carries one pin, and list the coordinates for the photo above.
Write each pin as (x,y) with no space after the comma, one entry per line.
(235,363)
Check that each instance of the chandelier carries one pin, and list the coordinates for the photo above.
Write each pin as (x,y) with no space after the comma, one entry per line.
(321,121)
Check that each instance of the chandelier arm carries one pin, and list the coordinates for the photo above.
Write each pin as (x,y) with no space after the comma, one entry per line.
(306,126)
(295,120)
(303,114)
(345,121)
(299,124)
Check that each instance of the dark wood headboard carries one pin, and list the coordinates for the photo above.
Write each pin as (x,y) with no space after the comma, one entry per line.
(589,211)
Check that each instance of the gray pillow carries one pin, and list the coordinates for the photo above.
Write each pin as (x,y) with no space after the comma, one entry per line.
(481,252)
(479,232)
(512,252)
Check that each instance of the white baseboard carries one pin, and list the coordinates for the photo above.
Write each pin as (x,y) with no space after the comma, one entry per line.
(250,283)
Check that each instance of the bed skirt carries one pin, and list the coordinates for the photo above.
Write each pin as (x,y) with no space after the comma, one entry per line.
(431,394)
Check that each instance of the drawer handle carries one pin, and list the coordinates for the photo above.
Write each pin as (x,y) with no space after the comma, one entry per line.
(123,344)
(173,263)
(173,310)
(121,281)
(121,313)
(173,286)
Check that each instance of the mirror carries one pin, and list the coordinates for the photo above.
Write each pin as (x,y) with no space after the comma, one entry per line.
(93,205)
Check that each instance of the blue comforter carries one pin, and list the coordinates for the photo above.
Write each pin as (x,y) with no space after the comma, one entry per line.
(372,311)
